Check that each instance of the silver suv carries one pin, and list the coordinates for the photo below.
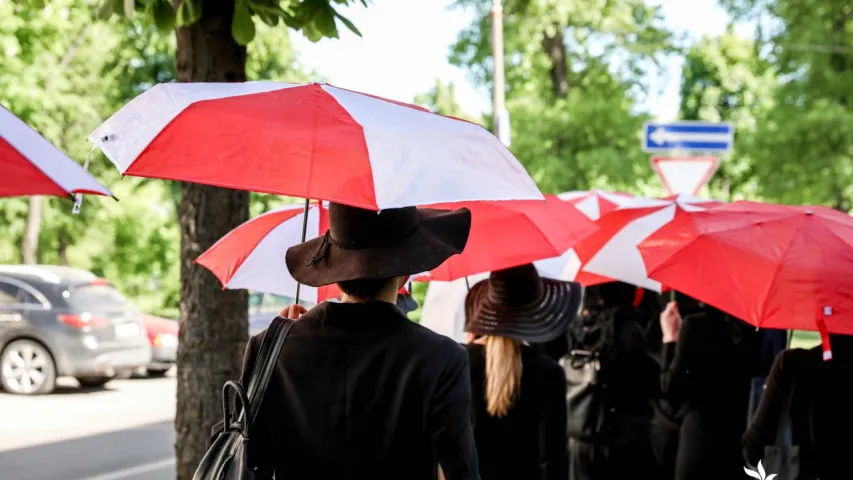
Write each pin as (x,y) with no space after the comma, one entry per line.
(60,321)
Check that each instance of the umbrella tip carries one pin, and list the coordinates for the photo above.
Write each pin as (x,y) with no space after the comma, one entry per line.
(809,212)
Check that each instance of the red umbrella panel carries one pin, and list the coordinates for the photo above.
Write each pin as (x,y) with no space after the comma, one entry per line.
(252,255)
(774,266)
(31,165)
(512,233)
(312,141)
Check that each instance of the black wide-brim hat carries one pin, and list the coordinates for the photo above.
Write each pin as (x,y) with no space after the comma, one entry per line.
(517,303)
(364,244)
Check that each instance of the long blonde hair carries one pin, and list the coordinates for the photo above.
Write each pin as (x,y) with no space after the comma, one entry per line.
(503,374)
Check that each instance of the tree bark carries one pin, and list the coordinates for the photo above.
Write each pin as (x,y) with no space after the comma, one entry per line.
(214,322)
(555,47)
(30,240)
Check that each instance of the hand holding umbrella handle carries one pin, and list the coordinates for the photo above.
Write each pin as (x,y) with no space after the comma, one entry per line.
(670,322)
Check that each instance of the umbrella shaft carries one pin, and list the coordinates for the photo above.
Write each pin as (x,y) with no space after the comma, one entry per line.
(304,232)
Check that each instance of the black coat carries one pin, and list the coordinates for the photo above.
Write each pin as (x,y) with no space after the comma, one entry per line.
(530,441)
(706,377)
(823,387)
(360,391)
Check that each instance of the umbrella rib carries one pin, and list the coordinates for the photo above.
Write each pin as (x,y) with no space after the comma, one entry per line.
(776,271)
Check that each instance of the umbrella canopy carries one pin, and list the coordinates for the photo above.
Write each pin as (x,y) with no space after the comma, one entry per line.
(252,255)
(33,166)
(610,253)
(312,141)
(512,233)
(595,203)
(774,266)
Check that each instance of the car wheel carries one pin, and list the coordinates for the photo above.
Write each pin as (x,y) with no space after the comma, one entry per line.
(93,382)
(26,368)
(157,372)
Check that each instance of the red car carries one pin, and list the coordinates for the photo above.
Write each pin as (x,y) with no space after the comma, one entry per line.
(163,335)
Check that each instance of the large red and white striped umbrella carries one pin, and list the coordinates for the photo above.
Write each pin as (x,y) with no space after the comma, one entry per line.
(312,141)
(611,253)
(30,165)
(595,203)
(252,256)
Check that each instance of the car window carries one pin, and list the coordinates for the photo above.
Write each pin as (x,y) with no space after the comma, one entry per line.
(14,295)
(8,294)
(97,298)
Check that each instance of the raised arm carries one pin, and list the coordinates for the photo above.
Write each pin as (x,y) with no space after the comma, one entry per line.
(765,424)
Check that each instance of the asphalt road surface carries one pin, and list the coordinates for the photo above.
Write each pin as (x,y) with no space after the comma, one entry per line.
(123,431)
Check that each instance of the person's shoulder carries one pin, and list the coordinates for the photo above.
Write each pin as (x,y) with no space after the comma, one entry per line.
(795,360)
(531,357)
(432,341)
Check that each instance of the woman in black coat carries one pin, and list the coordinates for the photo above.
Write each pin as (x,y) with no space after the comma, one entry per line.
(359,390)
(823,394)
(705,376)
(519,393)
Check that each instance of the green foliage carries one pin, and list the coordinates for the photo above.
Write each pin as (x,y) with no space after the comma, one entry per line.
(802,147)
(441,99)
(64,73)
(723,79)
(575,73)
(317,19)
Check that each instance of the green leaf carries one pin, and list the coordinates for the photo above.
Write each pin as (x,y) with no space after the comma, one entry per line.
(189,12)
(163,15)
(348,24)
(259,7)
(271,20)
(325,22)
(242,26)
(106,9)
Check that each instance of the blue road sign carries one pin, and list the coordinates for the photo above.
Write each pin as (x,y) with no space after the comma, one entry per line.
(689,136)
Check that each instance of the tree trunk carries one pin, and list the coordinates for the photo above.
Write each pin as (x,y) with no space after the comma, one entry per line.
(30,240)
(555,47)
(214,322)
(62,247)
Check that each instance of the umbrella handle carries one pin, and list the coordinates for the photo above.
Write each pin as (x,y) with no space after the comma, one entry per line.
(78,198)
(304,232)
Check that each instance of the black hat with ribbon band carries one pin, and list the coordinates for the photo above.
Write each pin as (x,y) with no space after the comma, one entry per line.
(364,244)
(517,303)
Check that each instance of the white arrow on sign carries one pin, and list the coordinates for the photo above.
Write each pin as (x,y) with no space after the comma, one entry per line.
(661,136)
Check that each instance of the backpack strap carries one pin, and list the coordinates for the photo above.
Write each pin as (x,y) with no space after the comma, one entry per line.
(265,363)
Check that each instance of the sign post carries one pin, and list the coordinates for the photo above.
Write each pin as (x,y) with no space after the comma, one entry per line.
(685,173)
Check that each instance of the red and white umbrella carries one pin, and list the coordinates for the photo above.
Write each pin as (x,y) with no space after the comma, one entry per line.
(595,203)
(312,141)
(30,165)
(252,256)
(611,252)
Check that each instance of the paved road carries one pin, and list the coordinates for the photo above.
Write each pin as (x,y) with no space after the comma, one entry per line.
(121,432)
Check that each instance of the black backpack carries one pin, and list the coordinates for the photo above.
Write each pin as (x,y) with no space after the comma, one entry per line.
(228,457)
(585,367)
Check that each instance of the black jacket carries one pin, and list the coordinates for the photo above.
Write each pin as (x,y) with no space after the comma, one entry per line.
(529,443)
(823,395)
(360,391)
